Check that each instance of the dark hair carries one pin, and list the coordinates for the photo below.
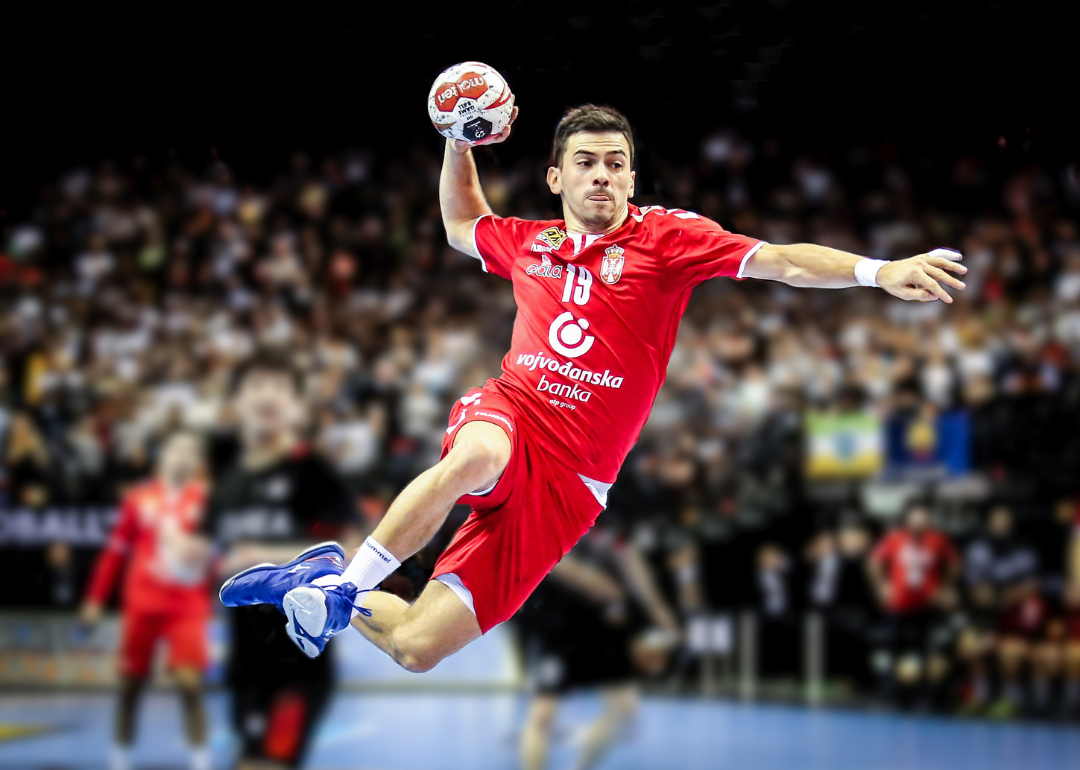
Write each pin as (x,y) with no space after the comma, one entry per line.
(590,117)
(269,360)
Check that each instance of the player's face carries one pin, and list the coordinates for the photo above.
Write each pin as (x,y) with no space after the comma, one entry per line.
(918,519)
(267,403)
(594,180)
(181,459)
(1000,522)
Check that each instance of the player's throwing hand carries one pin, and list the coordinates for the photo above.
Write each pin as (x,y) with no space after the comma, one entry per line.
(462,146)
(921,277)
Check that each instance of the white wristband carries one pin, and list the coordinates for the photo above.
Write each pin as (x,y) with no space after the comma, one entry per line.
(866,271)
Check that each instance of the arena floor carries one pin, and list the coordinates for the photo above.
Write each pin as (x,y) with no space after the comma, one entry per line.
(368,731)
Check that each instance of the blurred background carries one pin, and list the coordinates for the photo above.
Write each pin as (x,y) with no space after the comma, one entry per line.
(175,193)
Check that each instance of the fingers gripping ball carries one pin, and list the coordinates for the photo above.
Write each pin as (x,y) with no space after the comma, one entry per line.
(470,101)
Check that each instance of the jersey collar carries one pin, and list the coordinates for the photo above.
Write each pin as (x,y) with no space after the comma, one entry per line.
(582,241)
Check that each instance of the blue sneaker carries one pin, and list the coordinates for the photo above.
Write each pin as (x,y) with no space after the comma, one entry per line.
(268,583)
(315,614)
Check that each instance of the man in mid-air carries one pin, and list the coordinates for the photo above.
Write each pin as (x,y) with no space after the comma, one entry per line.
(534,452)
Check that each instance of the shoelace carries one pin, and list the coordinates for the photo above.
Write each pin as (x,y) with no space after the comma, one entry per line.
(363,610)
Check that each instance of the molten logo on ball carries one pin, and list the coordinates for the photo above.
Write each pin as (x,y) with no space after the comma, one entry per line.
(472,86)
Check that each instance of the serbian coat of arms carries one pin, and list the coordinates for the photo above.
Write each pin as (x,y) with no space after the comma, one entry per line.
(612,264)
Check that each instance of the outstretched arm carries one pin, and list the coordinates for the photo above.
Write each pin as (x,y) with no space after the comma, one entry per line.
(460,195)
(918,278)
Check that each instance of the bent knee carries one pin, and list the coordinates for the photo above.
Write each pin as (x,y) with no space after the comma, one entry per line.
(416,657)
(418,662)
(480,452)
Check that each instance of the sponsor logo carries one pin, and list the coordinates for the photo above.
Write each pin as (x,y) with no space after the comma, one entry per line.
(378,554)
(546,269)
(498,417)
(564,390)
(472,86)
(567,336)
(604,379)
(612,264)
(553,237)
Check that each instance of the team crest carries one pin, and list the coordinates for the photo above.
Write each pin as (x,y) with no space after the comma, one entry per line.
(612,264)
(553,237)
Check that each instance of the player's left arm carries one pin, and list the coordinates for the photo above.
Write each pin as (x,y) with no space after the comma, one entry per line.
(922,278)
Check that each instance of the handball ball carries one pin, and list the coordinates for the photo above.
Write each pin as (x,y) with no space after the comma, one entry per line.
(470,101)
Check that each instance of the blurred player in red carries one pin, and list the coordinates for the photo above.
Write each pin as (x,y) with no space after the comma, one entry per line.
(914,569)
(599,295)
(164,598)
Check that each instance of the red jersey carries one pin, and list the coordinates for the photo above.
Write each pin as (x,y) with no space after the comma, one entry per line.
(916,566)
(154,582)
(597,319)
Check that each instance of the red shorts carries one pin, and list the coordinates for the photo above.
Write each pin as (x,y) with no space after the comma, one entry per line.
(529,520)
(184,634)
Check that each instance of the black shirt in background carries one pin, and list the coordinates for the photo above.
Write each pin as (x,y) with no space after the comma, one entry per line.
(298,499)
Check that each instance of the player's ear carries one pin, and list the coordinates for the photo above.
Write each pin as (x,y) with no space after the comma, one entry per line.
(633,176)
(554,183)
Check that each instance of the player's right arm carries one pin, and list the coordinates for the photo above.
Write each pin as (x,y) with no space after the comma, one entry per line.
(460,196)
(110,561)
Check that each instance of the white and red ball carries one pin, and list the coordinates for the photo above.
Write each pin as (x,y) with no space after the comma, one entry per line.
(470,101)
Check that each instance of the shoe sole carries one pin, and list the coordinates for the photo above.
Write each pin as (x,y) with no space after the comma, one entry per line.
(316,550)
(305,607)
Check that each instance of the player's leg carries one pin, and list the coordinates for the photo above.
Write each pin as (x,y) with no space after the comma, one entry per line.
(189,685)
(972,649)
(479,455)
(1071,663)
(139,636)
(417,636)
(1047,660)
(536,732)
(1012,654)
(188,659)
(438,623)
(620,707)
(127,706)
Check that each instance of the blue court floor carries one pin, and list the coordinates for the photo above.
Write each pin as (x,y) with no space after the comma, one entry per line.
(455,732)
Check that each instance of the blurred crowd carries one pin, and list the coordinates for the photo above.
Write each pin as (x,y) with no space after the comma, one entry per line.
(131,291)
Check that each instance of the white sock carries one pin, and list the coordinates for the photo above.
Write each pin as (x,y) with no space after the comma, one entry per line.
(200,758)
(120,758)
(371,566)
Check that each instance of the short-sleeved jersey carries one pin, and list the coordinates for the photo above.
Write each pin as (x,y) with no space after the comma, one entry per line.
(597,319)
(156,581)
(915,565)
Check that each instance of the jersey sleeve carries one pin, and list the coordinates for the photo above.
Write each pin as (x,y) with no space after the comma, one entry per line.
(701,249)
(114,554)
(498,240)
